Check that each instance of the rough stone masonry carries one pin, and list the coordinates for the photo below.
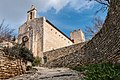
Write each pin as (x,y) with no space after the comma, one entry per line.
(10,67)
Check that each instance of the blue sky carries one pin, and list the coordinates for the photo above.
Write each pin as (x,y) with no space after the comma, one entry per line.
(69,19)
(67,15)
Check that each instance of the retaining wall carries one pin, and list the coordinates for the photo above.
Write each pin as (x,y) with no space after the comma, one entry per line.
(54,54)
(10,67)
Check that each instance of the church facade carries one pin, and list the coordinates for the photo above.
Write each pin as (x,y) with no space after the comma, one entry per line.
(43,36)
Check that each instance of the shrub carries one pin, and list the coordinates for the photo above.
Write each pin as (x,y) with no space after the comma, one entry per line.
(19,52)
(37,61)
(101,71)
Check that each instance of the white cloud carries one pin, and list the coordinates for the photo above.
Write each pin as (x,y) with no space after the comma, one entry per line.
(45,5)
(14,11)
(81,4)
(48,4)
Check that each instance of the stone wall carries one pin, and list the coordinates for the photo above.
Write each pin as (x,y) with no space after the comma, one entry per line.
(105,45)
(106,42)
(54,54)
(10,67)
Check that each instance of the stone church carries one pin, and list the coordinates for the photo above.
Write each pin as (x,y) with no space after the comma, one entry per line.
(43,36)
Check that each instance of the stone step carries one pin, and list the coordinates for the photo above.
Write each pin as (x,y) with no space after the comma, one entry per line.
(50,74)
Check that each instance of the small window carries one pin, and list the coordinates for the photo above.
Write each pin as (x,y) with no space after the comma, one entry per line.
(64,39)
(59,35)
(30,15)
(55,32)
(51,29)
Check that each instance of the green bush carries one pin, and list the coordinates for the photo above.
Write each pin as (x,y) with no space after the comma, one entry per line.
(101,71)
(37,61)
(79,68)
(19,52)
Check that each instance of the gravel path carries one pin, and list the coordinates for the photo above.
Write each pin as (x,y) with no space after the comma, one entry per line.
(49,74)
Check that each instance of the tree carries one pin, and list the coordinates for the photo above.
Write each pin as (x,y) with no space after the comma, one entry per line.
(5,32)
(91,31)
(104,5)
(103,2)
